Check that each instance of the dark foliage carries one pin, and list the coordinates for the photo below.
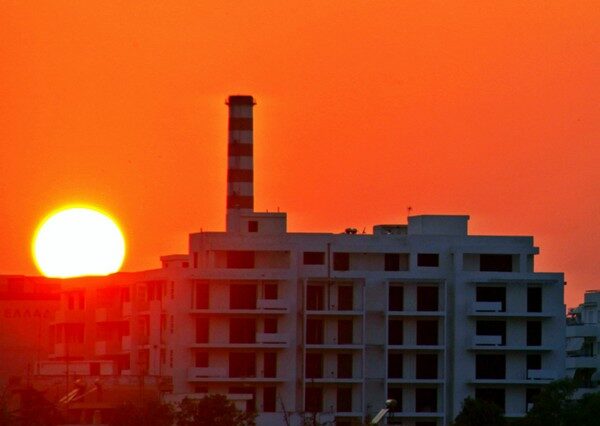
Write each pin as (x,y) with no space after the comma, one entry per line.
(153,413)
(212,410)
(476,412)
(553,406)
(586,411)
(35,410)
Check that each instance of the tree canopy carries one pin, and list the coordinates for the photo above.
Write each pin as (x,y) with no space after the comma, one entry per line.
(152,413)
(553,406)
(212,410)
(476,412)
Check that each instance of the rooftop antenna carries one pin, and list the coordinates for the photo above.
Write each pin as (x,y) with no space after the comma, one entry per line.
(408,210)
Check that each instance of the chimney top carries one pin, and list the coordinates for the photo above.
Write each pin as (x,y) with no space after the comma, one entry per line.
(240,100)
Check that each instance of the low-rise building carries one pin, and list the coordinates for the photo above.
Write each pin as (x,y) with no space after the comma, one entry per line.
(583,343)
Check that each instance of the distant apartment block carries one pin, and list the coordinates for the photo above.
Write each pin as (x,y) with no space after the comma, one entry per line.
(583,343)
(324,323)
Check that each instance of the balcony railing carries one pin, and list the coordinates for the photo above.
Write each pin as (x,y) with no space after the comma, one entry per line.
(487,340)
(262,306)
(70,316)
(109,314)
(70,349)
(239,397)
(271,338)
(206,372)
(271,304)
(582,362)
(487,307)
(583,330)
(105,347)
(541,375)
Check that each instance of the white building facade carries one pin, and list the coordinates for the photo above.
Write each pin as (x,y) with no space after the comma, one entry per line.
(338,323)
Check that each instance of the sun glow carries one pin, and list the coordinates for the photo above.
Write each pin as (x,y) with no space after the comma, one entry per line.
(78,241)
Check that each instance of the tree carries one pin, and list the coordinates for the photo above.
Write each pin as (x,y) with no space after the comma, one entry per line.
(553,406)
(153,413)
(6,416)
(33,410)
(586,411)
(212,410)
(476,412)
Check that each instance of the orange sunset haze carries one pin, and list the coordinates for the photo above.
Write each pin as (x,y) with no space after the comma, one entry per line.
(364,108)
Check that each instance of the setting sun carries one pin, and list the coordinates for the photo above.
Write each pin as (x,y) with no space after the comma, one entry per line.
(78,241)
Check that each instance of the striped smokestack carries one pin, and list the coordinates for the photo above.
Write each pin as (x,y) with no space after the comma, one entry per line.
(240,173)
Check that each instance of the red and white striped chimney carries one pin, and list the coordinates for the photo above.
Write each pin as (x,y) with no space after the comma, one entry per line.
(240,170)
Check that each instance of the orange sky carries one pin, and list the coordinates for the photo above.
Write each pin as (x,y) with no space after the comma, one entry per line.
(490,109)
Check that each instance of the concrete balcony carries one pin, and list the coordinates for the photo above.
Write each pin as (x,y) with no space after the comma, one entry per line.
(69,316)
(583,362)
(512,348)
(206,372)
(505,382)
(333,312)
(414,381)
(68,349)
(314,271)
(271,338)
(334,346)
(276,308)
(583,330)
(105,347)
(272,304)
(240,380)
(240,399)
(416,348)
(228,345)
(487,340)
(486,307)
(335,380)
(109,314)
(541,375)
(126,343)
(239,396)
(76,367)
(126,309)
(581,392)
(146,307)
(416,313)
(280,274)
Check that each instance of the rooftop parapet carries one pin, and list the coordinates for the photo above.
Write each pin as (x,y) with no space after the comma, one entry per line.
(438,225)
